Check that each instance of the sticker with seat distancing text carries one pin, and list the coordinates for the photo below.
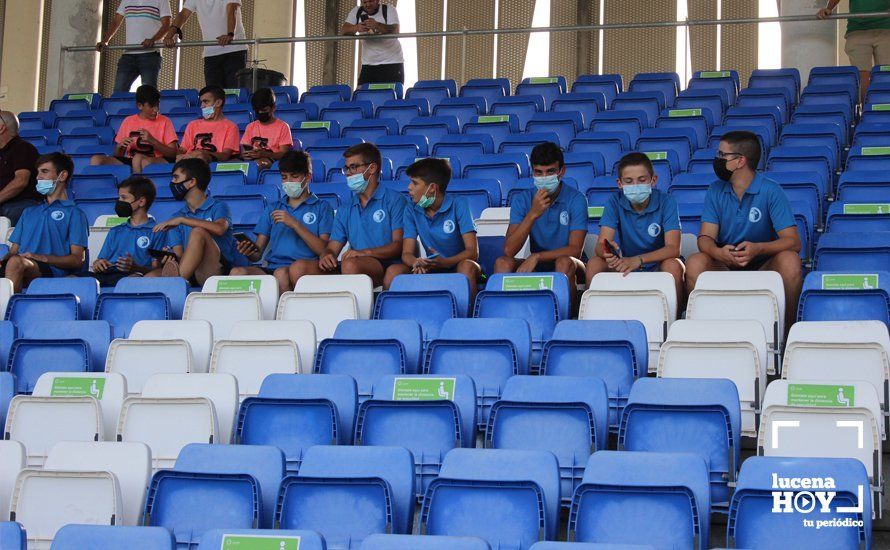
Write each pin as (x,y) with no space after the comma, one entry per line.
(114,221)
(259,542)
(684,112)
(382,86)
(228,286)
(423,389)
(873,208)
(527,282)
(309,124)
(821,395)
(850,281)
(232,167)
(487,119)
(714,74)
(77,387)
(595,211)
(543,80)
(656,155)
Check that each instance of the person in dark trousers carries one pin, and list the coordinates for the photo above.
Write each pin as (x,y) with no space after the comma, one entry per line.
(382,60)
(147,22)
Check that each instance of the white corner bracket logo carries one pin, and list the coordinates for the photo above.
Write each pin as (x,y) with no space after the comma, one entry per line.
(654,230)
(754,215)
(448,227)
(563,218)
(379,216)
(143,242)
(57,215)
(309,218)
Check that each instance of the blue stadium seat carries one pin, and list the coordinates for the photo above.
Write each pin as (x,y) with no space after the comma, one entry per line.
(433,127)
(23,309)
(522,106)
(86,290)
(49,136)
(668,493)
(587,104)
(77,537)
(709,101)
(602,84)
(680,141)
(835,76)
(828,114)
(839,251)
(489,351)
(123,309)
(433,95)
(863,186)
(509,498)
(429,299)
(462,108)
(190,94)
(727,81)
(834,296)
(813,134)
(779,98)
(249,169)
(381,478)
(64,106)
(294,413)
(464,147)
(330,152)
(242,199)
(507,168)
(687,119)
(237,96)
(828,94)
(422,542)
(855,218)
(370,130)
(172,287)
(67,124)
(480,193)
(627,122)
(403,110)
(564,415)
(36,120)
(524,143)
(28,359)
(868,158)
(565,124)
(347,112)
(447,84)
(767,117)
(584,167)
(119,172)
(772,78)
(343,91)
(645,102)
(547,91)
(296,114)
(292,93)
(284,539)
(611,146)
(662,414)
(428,415)
(402,150)
(499,127)
(313,131)
(753,522)
(490,89)
(378,93)
(96,334)
(691,187)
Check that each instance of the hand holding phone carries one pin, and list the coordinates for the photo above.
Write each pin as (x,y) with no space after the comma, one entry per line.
(610,248)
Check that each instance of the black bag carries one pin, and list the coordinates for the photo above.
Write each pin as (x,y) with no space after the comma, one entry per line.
(265,78)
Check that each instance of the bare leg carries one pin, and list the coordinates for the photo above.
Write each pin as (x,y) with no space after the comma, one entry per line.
(677,270)
(364,265)
(505,264)
(471,270)
(302,267)
(787,264)
(201,257)
(283,280)
(696,265)
(21,271)
(394,271)
(571,267)
(104,160)
(595,265)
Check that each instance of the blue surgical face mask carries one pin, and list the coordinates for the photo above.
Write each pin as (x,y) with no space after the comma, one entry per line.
(207,112)
(637,193)
(547,183)
(46,187)
(357,182)
(293,189)
(426,201)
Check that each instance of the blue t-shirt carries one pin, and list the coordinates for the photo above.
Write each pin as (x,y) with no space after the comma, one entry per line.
(133,240)
(763,211)
(52,229)
(641,232)
(443,233)
(285,246)
(210,211)
(567,213)
(371,226)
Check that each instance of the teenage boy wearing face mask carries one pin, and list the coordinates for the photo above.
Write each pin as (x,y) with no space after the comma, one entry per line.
(553,216)
(267,138)
(50,239)
(646,222)
(293,229)
(747,222)
(442,222)
(213,137)
(372,222)
(125,251)
(200,235)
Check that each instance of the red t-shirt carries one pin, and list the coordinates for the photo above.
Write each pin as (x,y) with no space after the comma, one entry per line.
(213,136)
(267,136)
(160,128)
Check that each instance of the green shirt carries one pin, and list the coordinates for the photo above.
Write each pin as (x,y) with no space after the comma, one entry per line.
(868,6)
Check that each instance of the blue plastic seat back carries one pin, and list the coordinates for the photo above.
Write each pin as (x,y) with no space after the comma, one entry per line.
(453,283)
(662,414)
(85,288)
(564,124)
(863,186)
(370,129)
(343,91)
(686,119)
(509,498)
(726,84)
(76,537)
(7,392)
(857,217)
(429,308)
(555,282)
(523,107)
(460,108)
(402,150)
(122,310)
(547,87)
(28,359)
(824,299)
(628,121)
(612,150)
(432,95)
(405,331)
(668,492)
(539,307)
(464,146)
(377,97)
(64,106)
(174,288)
(24,309)
(645,102)
(262,462)
(839,251)
(286,539)
(339,389)
(480,194)
(587,104)
(433,127)
(423,542)
(768,78)
(95,333)
(608,85)
(490,92)
(321,99)
(564,415)
(364,360)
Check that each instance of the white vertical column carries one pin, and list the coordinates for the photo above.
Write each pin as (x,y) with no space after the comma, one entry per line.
(807,44)
(73,23)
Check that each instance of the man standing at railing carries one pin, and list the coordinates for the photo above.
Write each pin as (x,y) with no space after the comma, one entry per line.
(382,60)
(220,21)
(867,41)
(147,22)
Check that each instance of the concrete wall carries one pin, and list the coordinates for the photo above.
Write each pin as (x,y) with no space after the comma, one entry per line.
(74,22)
(808,44)
(273,18)
(21,55)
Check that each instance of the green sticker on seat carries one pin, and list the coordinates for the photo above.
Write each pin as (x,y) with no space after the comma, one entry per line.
(259,542)
(233,91)
(114,221)
(656,155)
(821,395)
(850,281)
(595,211)
(87,97)
(228,286)
(880,107)
(684,112)
(77,387)
(309,124)
(423,389)
(382,86)
(714,74)
(487,119)
(233,167)
(543,80)
(884,68)
(877,208)
(874,151)
(527,282)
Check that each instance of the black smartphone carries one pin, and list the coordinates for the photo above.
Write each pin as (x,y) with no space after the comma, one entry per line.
(607,246)
(242,237)
(161,254)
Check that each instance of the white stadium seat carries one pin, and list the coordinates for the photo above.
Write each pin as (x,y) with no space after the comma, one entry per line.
(198,333)
(324,309)
(359,285)
(129,462)
(41,422)
(264,286)
(12,461)
(222,310)
(137,360)
(221,389)
(6,292)
(251,361)
(108,387)
(302,333)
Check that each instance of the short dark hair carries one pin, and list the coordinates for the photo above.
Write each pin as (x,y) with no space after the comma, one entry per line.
(195,168)
(141,188)
(547,153)
(369,153)
(60,161)
(296,162)
(148,94)
(215,91)
(635,159)
(746,144)
(431,170)
(262,98)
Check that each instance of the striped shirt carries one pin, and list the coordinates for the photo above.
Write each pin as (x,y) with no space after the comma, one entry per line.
(143,19)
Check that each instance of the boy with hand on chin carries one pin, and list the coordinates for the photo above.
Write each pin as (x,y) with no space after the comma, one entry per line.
(296,228)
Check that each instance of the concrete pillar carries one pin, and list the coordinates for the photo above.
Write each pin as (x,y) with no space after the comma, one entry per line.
(807,44)
(21,55)
(73,23)
(274,18)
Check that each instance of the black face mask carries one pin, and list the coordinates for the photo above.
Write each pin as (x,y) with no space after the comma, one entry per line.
(721,170)
(123,209)
(263,117)
(178,189)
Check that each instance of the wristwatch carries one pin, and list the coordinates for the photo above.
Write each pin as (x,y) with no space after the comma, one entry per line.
(178,31)
(231,35)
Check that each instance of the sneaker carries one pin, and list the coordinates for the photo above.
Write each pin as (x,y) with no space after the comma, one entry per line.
(170,269)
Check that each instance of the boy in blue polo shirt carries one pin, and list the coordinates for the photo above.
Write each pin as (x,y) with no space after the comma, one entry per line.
(553,216)
(296,228)
(201,233)
(747,223)
(372,222)
(646,222)
(125,251)
(50,239)
(443,224)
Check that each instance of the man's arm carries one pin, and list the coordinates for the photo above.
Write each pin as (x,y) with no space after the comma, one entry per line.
(380,28)
(14,187)
(470,252)
(707,244)
(165,26)
(178,22)
(70,261)
(573,249)
(826,11)
(217,228)
(115,26)
(606,234)
(386,252)
(671,249)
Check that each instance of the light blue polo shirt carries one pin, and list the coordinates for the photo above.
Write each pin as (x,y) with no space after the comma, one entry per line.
(763,211)
(371,226)
(52,229)
(285,246)
(551,231)
(443,233)
(134,240)
(210,211)
(641,232)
